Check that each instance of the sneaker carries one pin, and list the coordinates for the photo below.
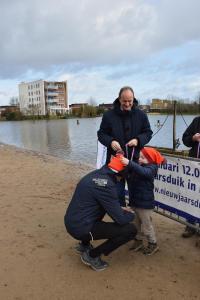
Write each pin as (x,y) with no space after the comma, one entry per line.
(80,248)
(137,245)
(188,232)
(150,249)
(96,263)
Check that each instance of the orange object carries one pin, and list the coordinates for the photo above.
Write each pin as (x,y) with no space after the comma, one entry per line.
(115,164)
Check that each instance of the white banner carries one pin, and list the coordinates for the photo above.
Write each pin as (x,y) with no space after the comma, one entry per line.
(177,187)
(101,155)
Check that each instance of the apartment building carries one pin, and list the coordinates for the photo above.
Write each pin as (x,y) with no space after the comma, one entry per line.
(158,104)
(42,97)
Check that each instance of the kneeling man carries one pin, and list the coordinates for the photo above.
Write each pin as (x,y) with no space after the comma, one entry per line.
(96,195)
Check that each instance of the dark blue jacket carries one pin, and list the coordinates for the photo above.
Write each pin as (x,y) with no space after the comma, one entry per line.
(95,195)
(193,128)
(141,185)
(122,126)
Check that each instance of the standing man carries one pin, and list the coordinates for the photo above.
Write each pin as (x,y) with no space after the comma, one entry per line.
(124,128)
(95,196)
(191,138)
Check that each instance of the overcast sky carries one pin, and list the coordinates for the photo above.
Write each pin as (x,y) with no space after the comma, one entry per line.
(100,46)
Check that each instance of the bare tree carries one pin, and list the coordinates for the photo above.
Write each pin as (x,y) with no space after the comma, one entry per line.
(33,110)
(92,101)
(148,102)
(198,101)
(14,101)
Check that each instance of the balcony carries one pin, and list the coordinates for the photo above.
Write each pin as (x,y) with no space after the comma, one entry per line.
(51,101)
(51,87)
(51,93)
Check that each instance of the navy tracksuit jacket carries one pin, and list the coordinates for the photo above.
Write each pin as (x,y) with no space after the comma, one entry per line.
(141,185)
(95,195)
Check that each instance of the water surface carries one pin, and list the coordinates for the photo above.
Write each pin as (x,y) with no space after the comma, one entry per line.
(67,140)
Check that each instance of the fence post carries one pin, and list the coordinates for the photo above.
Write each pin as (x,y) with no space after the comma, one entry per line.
(174,126)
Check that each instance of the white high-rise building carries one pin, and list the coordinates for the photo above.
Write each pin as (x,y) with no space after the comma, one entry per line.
(42,97)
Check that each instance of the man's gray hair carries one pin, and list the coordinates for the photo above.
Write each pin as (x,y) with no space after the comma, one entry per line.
(125,88)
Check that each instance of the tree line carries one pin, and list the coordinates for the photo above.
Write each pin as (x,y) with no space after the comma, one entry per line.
(87,111)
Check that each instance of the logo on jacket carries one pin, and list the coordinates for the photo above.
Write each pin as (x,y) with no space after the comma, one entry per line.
(100,181)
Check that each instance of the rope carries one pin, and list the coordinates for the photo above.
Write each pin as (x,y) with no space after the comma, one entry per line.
(161,126)
(132,153)
(184,119)
(182,116)
(198,150)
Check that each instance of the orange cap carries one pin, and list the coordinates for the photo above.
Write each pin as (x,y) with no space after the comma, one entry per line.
(153,155)
(115,164)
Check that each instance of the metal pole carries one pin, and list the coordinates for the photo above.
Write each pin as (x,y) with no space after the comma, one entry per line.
(174,126)
(176,218)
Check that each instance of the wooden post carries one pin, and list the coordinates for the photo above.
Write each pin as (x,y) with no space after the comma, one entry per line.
(174,126)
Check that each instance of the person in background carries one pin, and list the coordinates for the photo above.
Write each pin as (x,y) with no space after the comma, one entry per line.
(191,138)
(124,127)
(95,196)
(141,197)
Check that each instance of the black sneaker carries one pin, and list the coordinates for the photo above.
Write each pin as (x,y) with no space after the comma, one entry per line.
(96,263)
(80,248)
(150,249)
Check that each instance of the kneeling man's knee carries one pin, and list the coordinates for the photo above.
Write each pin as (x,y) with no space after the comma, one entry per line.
(131,230)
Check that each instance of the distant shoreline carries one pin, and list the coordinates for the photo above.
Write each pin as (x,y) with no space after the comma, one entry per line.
(89,117)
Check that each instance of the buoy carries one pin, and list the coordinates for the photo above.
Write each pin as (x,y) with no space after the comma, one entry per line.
(158,124)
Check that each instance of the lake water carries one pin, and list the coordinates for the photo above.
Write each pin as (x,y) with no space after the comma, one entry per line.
(67,140)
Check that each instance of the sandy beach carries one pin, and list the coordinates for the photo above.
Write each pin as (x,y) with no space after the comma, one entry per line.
(37,258)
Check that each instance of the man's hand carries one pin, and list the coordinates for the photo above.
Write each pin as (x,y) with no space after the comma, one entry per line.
(133,143)
(127,208)
(196,137)
(116,146)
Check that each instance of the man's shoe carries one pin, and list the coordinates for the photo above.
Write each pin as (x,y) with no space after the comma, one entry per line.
(188,232)
(80,247)
(150,249)
(137,245)
(96,263)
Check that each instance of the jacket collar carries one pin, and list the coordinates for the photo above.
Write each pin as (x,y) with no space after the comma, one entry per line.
(120,112)
(109,172)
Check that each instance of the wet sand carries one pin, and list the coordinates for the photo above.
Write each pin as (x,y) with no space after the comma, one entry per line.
(36,255)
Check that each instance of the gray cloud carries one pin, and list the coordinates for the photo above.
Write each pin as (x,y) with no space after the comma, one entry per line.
(2,93)
(48,35)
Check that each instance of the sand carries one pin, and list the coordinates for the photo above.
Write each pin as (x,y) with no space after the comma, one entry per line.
(37,259)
